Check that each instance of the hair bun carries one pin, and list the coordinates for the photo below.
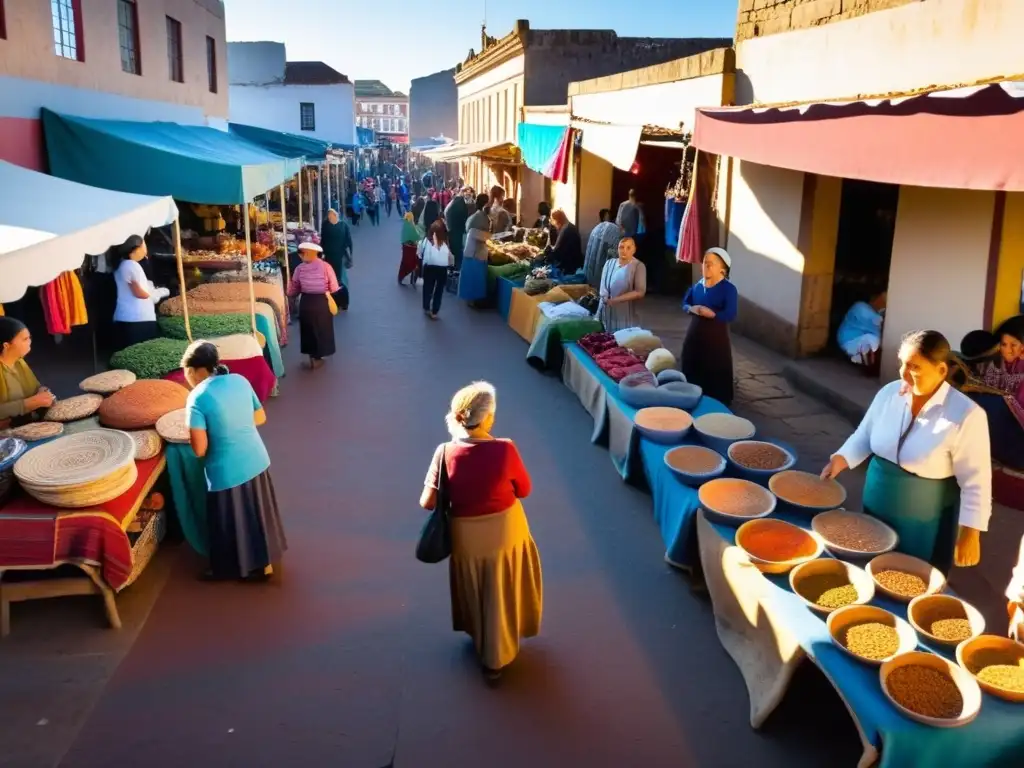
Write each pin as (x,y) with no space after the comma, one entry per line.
(221,370)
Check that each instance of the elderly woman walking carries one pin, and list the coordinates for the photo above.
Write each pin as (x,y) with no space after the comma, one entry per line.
(314,281)
(494,569)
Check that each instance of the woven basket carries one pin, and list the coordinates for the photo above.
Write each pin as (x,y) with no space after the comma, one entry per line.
(172,427)
(139,405)
(146,545)
(39,430)
(148,444)
(108,382)
(76,460)
(89,495)
(74,408)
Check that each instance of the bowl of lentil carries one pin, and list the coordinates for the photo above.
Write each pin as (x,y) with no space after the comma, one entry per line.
(695,464)
(903,577)
(757,460)
(870,634)
(997,663)
(663,425)
(731,501)
(775,546)
(854,534)
(720,430)
(931,690)
(805,492)
(945,619)
(827,585)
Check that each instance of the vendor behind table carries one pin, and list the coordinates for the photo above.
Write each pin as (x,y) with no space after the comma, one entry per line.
(21,394)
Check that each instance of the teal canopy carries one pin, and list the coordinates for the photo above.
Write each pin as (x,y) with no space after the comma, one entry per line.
(188,162)
(540,145)
(281,143)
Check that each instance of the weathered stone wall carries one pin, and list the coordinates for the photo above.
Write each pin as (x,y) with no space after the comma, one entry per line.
(758,18)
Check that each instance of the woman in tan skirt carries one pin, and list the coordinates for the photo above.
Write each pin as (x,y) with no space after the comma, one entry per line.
(494,570)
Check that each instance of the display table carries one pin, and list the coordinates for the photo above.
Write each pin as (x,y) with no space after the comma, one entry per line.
(769,631)
(524,310)
(504,295)
(35,536)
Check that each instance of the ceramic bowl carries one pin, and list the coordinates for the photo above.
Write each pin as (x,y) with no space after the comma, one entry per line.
(969,689)
(985,650)
(813,548)
(758,475)
(827,566)
(852,615)
(897,561)
(720,430)
(679,459)
(886,536)
(720,500)
(663,425)
(925,609)
(781,484)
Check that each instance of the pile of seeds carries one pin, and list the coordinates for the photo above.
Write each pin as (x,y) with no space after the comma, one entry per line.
(725,426)
(829,590)
(872,640)
(693,459)
(807,490)
(734,497)
(757,455)
(925,691)
(952,630)
(852,531)
(901,583)
(1005,676)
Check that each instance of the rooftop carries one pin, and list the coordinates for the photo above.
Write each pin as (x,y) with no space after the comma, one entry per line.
(371,88)
(312,73)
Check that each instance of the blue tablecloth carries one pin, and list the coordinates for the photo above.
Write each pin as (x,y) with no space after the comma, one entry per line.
(473,280)
(505,287)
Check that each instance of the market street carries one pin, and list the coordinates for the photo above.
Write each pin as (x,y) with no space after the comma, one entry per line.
(349,660)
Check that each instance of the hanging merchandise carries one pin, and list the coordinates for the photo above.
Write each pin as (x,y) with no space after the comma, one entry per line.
(689,248)
(63,304)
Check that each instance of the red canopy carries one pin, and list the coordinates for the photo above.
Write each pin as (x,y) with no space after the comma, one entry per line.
(966,138)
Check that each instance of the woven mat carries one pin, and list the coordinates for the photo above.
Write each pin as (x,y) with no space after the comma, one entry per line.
(172,427)
(76,459)
(40,430)
(237,346)
(89,495)
(74,408)
(108,382)
(139,405)
(148,444)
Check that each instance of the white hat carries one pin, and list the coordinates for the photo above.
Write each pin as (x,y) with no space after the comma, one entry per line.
(310,247)
(722,254)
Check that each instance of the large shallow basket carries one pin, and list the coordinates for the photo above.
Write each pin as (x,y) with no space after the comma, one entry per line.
(148,444)
(108,382)
(173,427)
(36,431)
(74,408)
(76,460)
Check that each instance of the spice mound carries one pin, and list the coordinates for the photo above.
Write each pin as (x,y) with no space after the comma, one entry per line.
(925,691)
(734,497)
(853,531)
(829,590)
(953,630)
(807,490)
(778,543)
(901,583)
(725,426)
(693,459)
(1006,676)
(758,455)
(871,640)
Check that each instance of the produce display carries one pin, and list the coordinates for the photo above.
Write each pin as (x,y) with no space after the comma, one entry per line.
(953,630)
(871,640)
(142,404)
(757,455)
(806,490)
(151,359)
(926,691)
(739,498)
(947,619)
(902,583)
(205,326)
(207,257)
(854,531)
(504,252)
(226,298)
(776,542)
(1005,676)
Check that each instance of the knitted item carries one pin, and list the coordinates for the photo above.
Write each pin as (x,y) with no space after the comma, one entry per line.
(660,360)
(140,405)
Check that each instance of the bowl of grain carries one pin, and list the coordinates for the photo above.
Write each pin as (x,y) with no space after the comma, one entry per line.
(997,663)
(731,501)
(757,460)
(720,430)
(695,464)
(902,577)
(870,634)
(663,425)
(827,585)
(854,534)
(775,546)
(945,619)
(805,492)
(931,690)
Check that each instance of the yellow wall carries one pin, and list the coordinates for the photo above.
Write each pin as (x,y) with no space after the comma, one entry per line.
(819,234)
(1011,261)
(594,187)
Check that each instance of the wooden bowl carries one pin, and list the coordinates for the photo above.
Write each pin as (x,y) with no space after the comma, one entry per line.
(887,537)
(826,566)
(925,609)
(852,615)
(663,425)
(782,485)
(756,474)
(985,650)
(685,460)
(722,499)
(811,549)
(969,689)
(897,561)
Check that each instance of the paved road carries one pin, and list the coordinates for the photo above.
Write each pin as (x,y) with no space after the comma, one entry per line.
(349,660)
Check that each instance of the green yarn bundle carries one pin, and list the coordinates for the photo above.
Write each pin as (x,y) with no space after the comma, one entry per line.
(151,359)
(205,326)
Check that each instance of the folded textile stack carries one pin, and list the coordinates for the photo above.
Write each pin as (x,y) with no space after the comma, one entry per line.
(596,343)
(81,470)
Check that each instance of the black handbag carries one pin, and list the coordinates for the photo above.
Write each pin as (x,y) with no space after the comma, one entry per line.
(435,542)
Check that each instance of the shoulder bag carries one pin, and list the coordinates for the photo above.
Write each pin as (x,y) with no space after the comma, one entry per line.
(435,543)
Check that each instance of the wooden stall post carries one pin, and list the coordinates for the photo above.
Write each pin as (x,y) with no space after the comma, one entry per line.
(329,200)
(298,182)
(248,262)
(320,199)
(284,232)
(181,277)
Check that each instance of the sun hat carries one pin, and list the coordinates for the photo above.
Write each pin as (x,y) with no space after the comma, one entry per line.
(310,247)
(722,254)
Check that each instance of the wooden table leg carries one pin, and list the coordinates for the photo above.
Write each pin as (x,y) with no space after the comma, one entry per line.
(109,603)
(5,610)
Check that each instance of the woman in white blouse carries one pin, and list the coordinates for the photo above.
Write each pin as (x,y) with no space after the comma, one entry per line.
(436,258)
(137,297)
(930,475)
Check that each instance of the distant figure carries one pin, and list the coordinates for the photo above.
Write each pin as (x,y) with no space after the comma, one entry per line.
(602,245)
(860,333)
(567,252)
(500,218)
(628,217)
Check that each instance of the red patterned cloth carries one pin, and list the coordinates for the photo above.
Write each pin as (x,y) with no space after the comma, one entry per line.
(596,343)
(255,369)
(619,362)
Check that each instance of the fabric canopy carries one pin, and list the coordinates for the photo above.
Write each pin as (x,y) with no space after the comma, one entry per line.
(543,147)
(187,162)
(47,225)
(615,143)
(501,152)
(281,143)
(966,138)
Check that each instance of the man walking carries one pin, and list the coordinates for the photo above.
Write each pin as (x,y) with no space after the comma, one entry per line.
(628,217)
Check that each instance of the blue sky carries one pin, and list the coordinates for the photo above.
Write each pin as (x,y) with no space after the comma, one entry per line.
(373,40)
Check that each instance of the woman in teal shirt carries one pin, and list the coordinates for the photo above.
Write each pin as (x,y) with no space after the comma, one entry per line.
(242,519)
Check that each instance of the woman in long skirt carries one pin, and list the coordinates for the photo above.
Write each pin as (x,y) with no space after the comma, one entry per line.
(314,280)
(244,527)
(494,570)
(410,264)
(707,349)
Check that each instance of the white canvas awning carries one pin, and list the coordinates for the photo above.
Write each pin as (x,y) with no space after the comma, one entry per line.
(48,225)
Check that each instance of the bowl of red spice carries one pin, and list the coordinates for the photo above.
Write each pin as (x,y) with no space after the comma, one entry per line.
(758,460)
(775,546)
(695,464)
(931,690)
(944,619)
(997,663)
(903,577)
(731,501)
(805,492)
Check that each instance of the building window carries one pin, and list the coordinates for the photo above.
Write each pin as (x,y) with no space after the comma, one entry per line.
(128,36)
(67,29)
(175,68)
(211,64)
(307,116)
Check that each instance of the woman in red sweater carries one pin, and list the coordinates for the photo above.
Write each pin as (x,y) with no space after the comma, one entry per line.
(494,569)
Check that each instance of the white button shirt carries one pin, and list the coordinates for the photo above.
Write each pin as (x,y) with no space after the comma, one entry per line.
(1015,591)
(949,438)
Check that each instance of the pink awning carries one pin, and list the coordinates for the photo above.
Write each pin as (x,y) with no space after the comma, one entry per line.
(966,138)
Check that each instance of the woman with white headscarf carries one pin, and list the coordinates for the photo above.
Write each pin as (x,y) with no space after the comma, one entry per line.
(707,349)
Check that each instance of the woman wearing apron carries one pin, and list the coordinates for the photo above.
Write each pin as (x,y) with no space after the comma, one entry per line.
(623,283)
(707,349)
(930,475)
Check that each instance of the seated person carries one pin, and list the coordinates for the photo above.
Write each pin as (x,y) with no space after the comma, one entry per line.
(20,393)
(860,333)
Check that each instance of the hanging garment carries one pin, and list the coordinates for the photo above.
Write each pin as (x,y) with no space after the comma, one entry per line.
(72,286)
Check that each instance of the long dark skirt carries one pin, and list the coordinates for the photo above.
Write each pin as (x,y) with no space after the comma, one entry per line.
(410,262)
(707,358)
(245,529)
(127,334)
(316,326)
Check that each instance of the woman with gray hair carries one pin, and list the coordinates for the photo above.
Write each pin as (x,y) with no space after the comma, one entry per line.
(494,569)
